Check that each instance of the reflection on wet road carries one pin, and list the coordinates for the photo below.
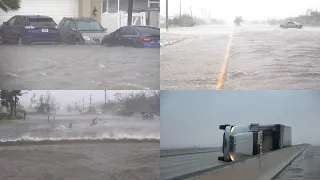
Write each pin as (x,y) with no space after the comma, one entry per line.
(260,57)
(78,67)
(305,167)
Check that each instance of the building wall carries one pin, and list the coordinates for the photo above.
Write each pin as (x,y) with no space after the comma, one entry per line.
(113,5)
(86,8)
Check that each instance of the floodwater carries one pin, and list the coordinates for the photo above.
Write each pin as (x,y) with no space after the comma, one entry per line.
(79,67)
(260,57)
(112,148)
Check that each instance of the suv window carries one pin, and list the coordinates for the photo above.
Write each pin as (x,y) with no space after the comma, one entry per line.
(72,25)
(89,25)
(11,21)
(41,21)
(18,21)
(66,23)
(61,22)
(130,31)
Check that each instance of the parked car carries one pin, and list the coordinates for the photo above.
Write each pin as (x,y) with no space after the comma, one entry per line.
(29,29)
(81,31)
(135,36)
(291,24)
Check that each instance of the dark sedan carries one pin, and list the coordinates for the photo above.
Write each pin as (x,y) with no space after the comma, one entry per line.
(135,36)
(30,29)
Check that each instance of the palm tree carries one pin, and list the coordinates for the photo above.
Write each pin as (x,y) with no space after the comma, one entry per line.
(238,20)
(9,98)
(9,5)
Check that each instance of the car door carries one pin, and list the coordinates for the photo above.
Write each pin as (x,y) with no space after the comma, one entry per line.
(129,36)
(7,34)
(291,24)
(118,36)
(121,36)
(18,27)
(64,30)
(71,32)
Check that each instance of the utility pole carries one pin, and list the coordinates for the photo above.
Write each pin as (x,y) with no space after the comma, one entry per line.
(167,15)
(191,12)
(105,96)
(90,100)
(180,15)
(130,9)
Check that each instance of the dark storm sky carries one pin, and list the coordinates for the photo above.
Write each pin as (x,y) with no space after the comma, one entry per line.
(190,118)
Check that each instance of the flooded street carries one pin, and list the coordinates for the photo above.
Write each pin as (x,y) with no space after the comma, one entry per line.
(78,67)
(259,57)
(114,148)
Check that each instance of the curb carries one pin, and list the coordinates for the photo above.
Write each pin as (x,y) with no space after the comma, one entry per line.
(172,42)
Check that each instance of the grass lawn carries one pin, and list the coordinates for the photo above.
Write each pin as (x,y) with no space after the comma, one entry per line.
(7,122)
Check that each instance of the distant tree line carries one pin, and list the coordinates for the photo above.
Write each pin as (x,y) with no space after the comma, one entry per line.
(10,100)
(147,103)
(44,104)
(186,20)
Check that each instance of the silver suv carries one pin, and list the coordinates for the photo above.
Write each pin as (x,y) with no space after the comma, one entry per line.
(291,24)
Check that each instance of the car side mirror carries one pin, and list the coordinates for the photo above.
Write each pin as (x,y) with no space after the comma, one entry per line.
(73,29)
(5,23)
(105,29)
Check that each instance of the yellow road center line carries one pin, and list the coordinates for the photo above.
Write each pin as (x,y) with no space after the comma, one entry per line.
(224,65)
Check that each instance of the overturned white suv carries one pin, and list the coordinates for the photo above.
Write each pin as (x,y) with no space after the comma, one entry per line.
(291,24)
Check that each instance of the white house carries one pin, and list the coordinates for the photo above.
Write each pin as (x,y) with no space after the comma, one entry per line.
(57,9)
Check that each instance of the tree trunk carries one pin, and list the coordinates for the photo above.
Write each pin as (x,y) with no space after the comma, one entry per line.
(15,105)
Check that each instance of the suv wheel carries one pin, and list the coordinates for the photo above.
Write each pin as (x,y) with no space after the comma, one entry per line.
(77,42)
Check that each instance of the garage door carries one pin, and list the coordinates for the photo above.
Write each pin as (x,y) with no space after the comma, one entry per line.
(57,9)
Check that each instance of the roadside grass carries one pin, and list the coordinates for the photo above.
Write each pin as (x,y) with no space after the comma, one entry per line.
(3,122)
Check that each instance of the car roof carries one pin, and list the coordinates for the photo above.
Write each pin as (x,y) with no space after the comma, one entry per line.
(141,26)
(35,16)
(83,18)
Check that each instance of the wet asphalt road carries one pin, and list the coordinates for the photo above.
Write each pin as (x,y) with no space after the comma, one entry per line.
(94,161)
(175,166)
(78,67)
(260,57)
(305,167)
(116,148)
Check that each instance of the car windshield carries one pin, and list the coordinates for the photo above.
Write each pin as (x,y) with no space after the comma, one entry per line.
(89,26)
(148,30)
(42,22)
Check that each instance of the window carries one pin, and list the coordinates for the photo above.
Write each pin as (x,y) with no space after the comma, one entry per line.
(148,30)
(41,22)
(66,23)
(18,21)
(130,31)
(61,22)
(122,30)
(84,25)
(11,21)
(72,25)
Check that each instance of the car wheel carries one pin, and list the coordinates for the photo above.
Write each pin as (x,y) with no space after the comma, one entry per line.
(77,42)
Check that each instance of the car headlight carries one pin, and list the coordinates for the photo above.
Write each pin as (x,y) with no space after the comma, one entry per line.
(86,38)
